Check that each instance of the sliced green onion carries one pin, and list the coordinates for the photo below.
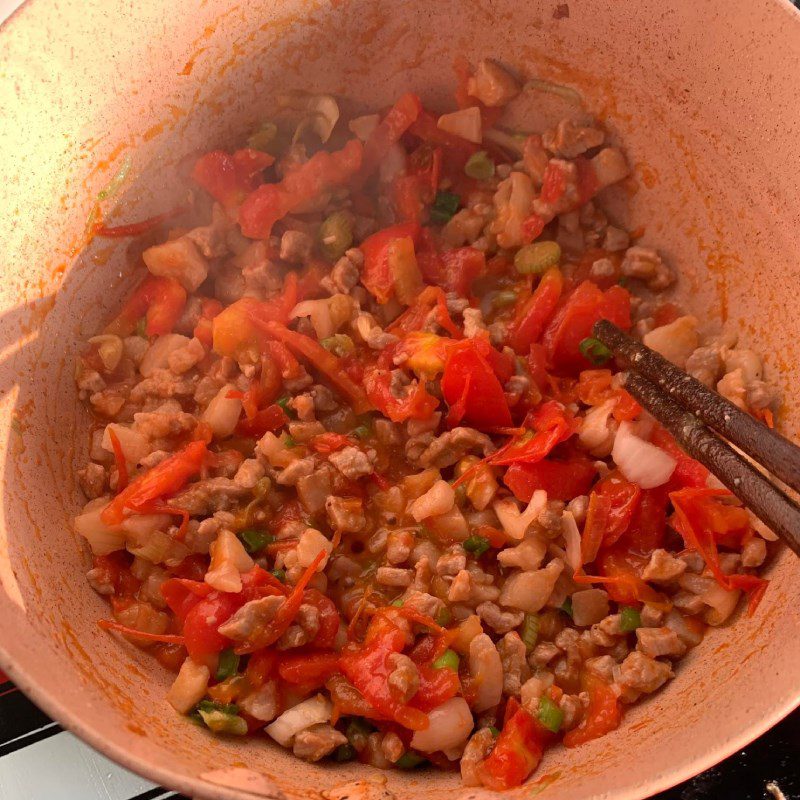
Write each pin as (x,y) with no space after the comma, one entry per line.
(461,494)
(594,350)
(447,660)
(565,92)
(222,717)
(409,760)
(566,606)
(534,259)
(397,603)
(340,344)
(228,665)
(443,617)
(629,619)
(213,705)
(280,574)
(361,432)
(479,166)
(254,541)
(290,442)
(141,328)
(550,715)
(444,206)
(283,402)
(344,752)
(530,631)
(477,545)
(504,299)
(494,731)
(336,235)
(263,136)
(115,184)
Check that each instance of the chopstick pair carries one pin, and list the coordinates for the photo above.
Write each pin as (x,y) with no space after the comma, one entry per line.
(689,410)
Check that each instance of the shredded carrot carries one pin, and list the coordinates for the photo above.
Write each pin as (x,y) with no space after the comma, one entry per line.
(166,638)
(138,228)
(119,458)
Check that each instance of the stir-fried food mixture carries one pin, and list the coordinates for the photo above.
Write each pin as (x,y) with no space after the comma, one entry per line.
(361,476)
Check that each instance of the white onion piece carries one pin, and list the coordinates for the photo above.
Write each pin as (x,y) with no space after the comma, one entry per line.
(320,313)
(392,164)
(451,724)
(310,712)
(639,461)
(465,123)
(102,538)
(572,537)
(189,687)
(325,112)
(363,127)
(223,412)
(439,499)
(109,348)
(134,445)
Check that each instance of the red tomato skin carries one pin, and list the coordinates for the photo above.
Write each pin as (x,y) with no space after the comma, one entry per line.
(573,321)
(377,274)
(562,480)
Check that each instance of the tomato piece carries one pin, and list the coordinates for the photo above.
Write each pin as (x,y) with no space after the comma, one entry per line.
(516,754)
(114,569)
(413,318)
(331,442)
(688,472)
(537,364)
(562,480)
(204,331)
(239,327)
(271,418)
(202,621)
(471,387)
(602,716)
(459,268)
(377,275)
(367,668)
(229,178)
(534,314)
(312,667)
(329,619)
(163,480)
(389,130)
(704,522)
(159,300)
(417,404)
(270,202)
(322,360)
(612,505)
(551,425)
(260,667)
(435,687)
(455,150)
(182,595)
(595,387)
(573,321)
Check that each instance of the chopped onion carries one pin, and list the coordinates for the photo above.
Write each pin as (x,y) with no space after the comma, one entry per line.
(189,687)
(102,538)
(392,164)
(465,122)
(325,112)
(722,603)
(363,127)
(485,668)
(310,712)
(311,543)
(134,445)
(572,537)
(228,560)
(639,461)
(223,412)
(320,313)
(450,725)
(109,348)
(564,92)
(529,591)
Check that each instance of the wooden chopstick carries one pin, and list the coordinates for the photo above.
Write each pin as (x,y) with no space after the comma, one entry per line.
(767,501)
(780,456)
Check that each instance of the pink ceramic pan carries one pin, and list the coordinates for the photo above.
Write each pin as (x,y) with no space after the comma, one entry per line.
(704,97)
